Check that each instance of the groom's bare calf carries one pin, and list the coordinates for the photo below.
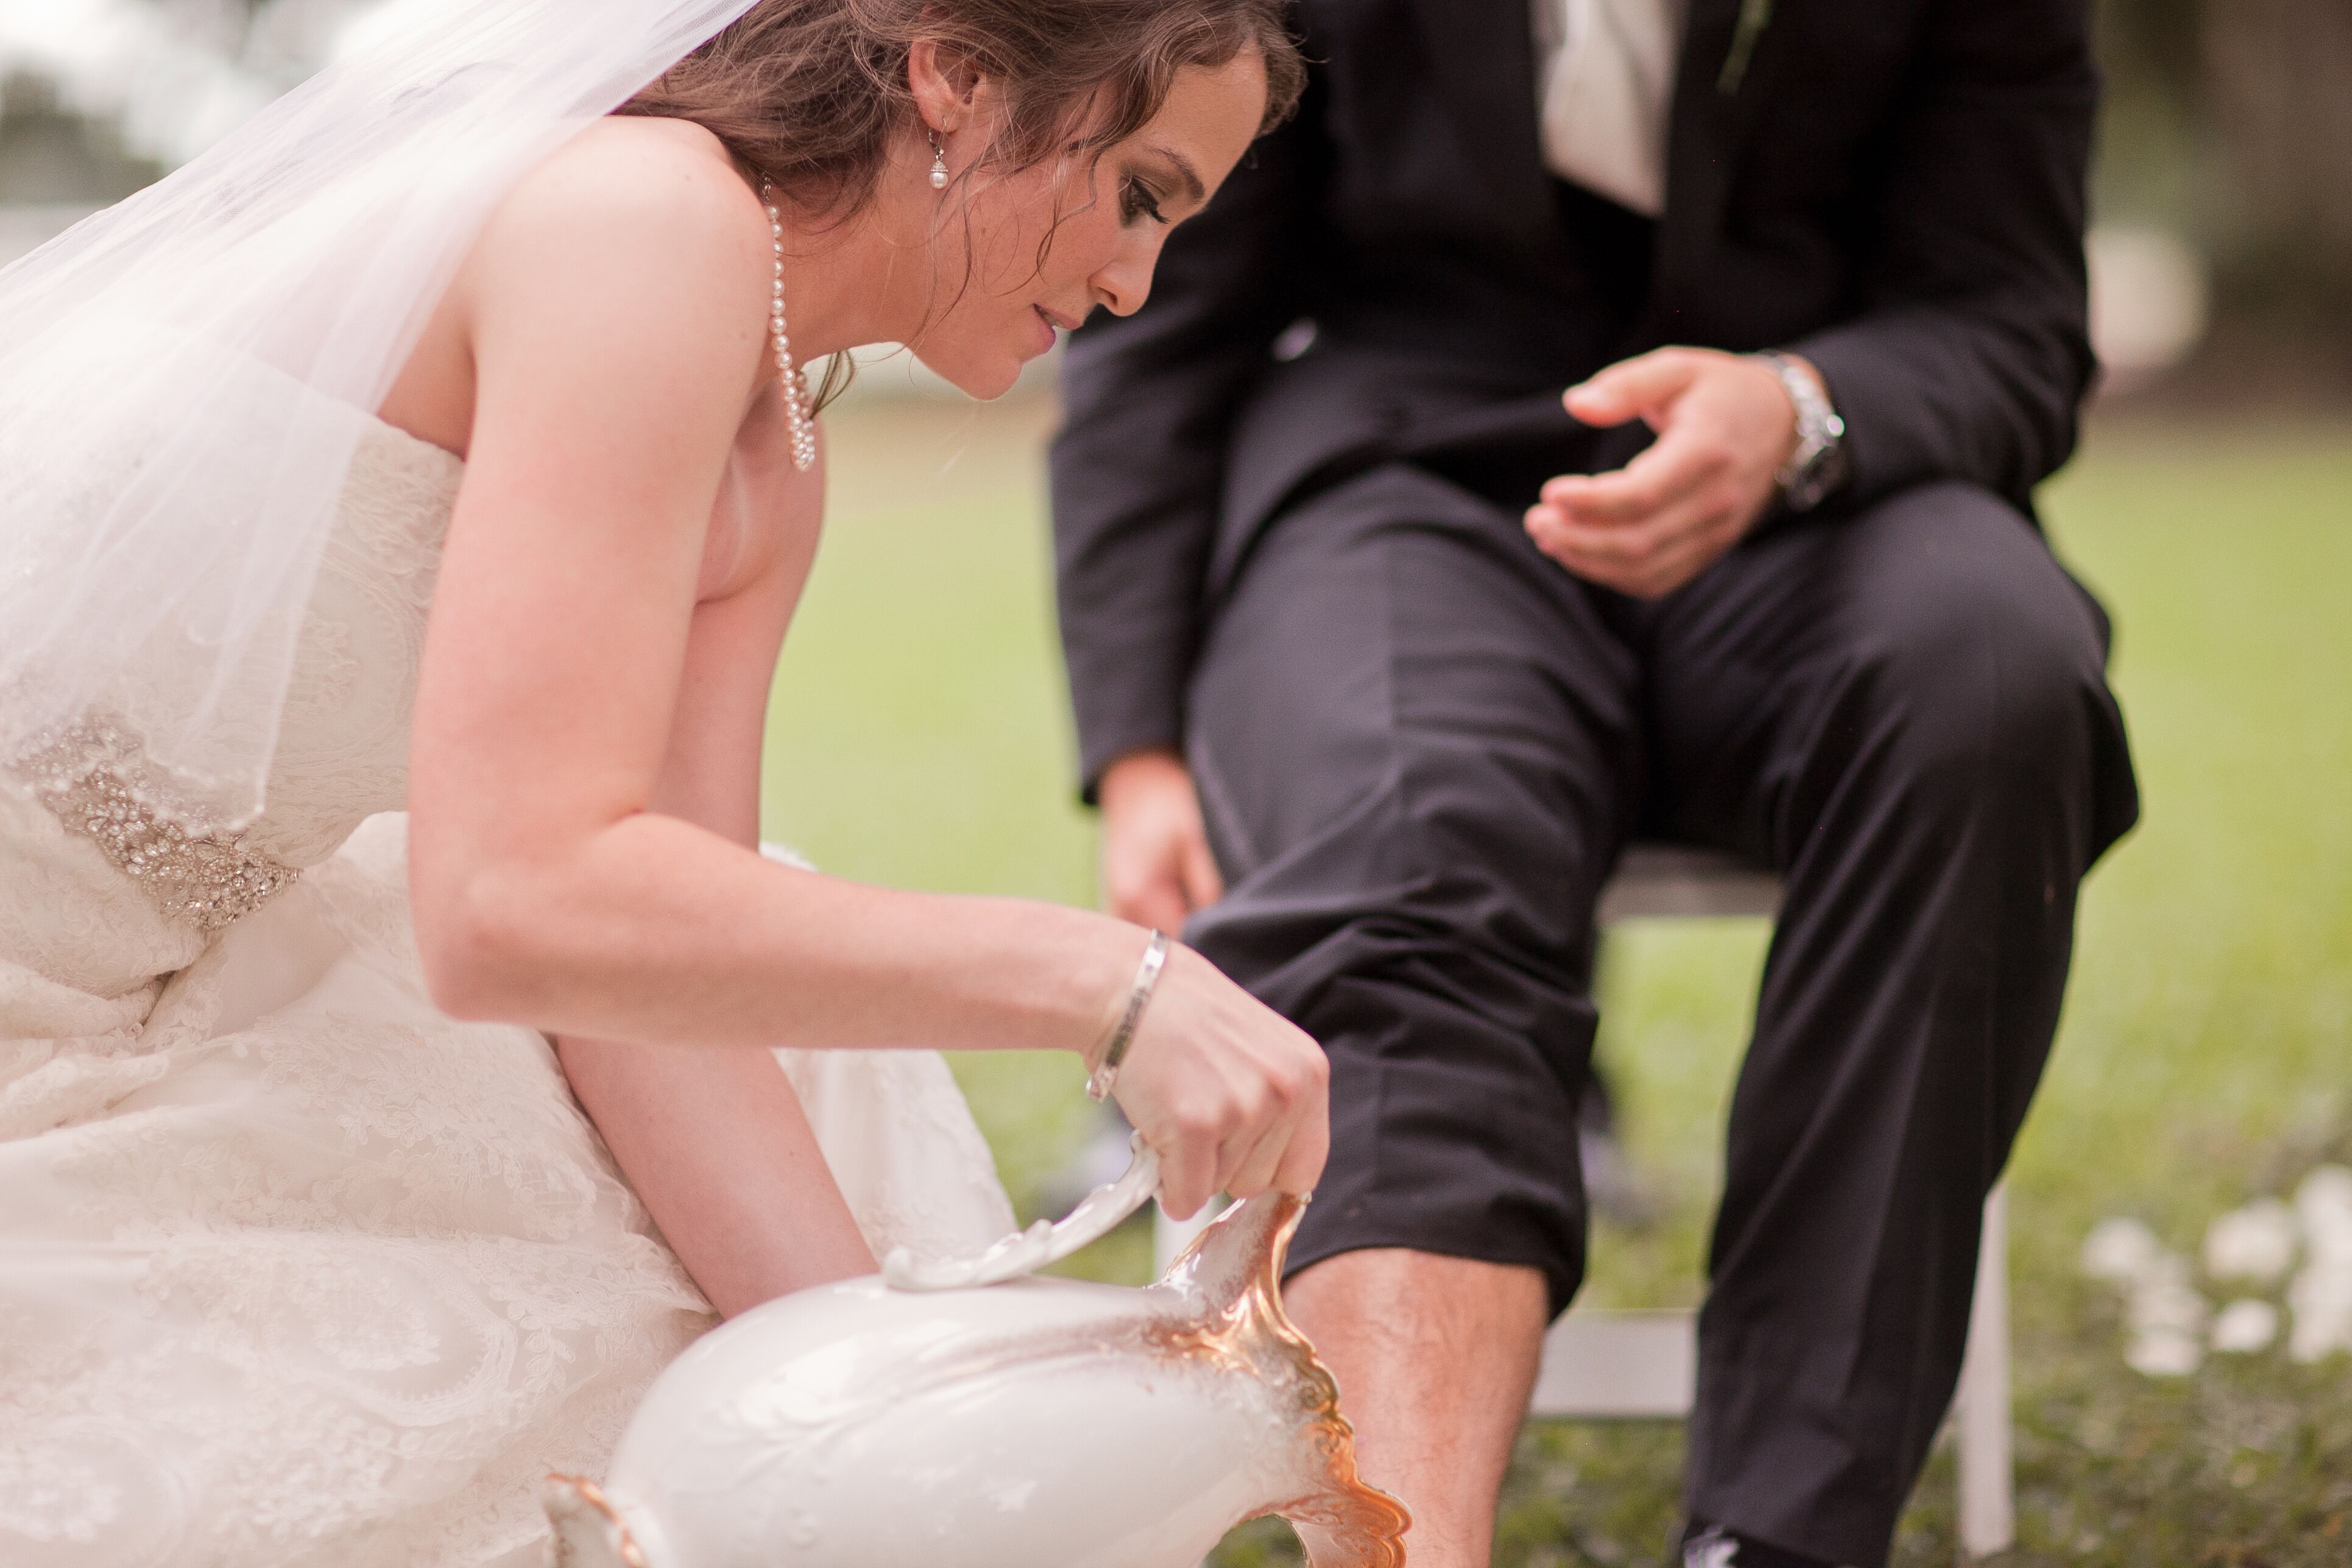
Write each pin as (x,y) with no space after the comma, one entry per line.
(1436,1358)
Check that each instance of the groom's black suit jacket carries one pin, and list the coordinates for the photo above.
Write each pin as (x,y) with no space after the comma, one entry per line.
(1892,188)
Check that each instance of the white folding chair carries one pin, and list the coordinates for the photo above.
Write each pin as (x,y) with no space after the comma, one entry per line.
(1601,1365)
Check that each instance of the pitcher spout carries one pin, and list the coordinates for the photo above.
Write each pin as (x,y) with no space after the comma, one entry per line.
(1237,1254)
(1232,1275)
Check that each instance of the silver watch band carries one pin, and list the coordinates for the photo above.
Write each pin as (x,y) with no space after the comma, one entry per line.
(1818,463)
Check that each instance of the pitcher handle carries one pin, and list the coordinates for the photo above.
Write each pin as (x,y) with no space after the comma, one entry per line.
(1025,1252)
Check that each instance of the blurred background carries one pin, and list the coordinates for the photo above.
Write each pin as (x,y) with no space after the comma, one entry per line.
(920,739)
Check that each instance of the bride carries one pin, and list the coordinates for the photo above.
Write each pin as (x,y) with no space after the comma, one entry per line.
(437,444)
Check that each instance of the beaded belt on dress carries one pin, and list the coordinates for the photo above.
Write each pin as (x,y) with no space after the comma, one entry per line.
(91,777)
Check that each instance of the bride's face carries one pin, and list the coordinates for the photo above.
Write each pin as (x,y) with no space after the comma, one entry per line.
(1036,251)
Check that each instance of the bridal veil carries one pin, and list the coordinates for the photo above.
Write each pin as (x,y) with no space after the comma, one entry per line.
(184,378)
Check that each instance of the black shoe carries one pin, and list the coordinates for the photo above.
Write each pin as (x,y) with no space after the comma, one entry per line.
(1712,1546)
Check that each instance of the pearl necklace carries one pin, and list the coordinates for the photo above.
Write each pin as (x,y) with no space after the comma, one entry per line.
(799,417)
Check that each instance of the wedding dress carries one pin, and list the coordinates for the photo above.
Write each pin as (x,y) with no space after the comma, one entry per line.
(293,1268)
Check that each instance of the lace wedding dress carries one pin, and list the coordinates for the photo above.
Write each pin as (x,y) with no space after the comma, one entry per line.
(294,1269)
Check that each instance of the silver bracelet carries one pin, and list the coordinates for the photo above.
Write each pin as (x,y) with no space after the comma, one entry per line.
(1122,1034)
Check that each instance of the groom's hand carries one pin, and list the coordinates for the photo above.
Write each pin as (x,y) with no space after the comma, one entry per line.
(1156,864)
(1724,427)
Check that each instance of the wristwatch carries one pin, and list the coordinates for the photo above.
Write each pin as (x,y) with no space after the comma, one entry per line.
(1817,465)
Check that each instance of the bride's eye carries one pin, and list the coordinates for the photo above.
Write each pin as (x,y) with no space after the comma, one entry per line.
(1137,199)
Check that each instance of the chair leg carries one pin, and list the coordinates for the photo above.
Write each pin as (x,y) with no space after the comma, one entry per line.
(1987,1483)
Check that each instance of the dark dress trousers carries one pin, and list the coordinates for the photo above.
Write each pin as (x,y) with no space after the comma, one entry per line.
(1287,503)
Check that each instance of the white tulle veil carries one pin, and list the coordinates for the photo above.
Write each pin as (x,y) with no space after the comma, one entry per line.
(183,377)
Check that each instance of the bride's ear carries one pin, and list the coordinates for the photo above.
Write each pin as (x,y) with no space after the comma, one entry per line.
(947,86)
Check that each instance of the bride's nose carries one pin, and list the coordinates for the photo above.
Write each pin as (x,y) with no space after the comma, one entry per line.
(1122,284)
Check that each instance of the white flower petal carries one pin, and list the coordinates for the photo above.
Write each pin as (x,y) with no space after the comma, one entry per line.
(2245,1326)
(2163,1353)
(2119,1250)
(2256,1242)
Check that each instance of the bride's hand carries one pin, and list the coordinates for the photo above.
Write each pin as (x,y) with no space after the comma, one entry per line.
(1233,1097)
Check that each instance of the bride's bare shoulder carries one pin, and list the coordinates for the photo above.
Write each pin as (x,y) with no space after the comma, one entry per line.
(664,191)
(638,158)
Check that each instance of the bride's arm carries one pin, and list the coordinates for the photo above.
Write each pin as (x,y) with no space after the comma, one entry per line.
(615,321)
(715,1142)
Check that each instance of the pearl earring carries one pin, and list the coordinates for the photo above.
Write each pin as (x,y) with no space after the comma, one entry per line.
(939,163)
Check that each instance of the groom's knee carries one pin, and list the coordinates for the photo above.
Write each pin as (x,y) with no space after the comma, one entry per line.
(1972,660)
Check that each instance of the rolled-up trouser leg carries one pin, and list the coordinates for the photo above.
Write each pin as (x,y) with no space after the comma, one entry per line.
(1414,739)
(1905,712)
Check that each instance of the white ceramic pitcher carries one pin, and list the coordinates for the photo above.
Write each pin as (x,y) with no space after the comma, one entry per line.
(969,1415)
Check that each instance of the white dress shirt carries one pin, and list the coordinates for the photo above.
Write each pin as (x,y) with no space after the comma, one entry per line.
(1605,73)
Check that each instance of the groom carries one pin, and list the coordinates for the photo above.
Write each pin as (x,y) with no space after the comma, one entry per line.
(1381,658)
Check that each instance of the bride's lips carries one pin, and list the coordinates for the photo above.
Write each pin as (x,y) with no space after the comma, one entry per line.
(1048,320)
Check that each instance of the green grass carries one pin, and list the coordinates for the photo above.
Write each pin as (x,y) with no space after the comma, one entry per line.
(920,739)
(918,736)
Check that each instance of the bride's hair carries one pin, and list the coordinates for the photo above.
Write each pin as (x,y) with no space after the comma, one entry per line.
(809,93)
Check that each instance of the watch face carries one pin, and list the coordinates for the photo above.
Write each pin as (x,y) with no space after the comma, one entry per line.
(1821,471)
